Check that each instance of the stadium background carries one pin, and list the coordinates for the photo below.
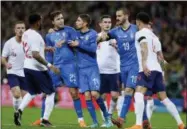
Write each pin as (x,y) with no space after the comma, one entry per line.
(169,23)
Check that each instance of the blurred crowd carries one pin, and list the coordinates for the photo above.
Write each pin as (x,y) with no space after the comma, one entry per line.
(169,23)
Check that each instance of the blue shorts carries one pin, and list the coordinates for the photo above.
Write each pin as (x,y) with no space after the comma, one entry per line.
(149,93)
(38,82)
(89,79)
(15,80)
(109,82)
(129,76)
(56,79)
(68,72)
(154,82)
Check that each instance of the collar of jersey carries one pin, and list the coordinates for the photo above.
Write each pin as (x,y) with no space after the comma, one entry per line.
(126,29)
(85,32)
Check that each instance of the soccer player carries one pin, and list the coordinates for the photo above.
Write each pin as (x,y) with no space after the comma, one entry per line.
(150,72)
(124,34)
(89,79)
(35,68)
(63,57)
(13,59)
(109,65)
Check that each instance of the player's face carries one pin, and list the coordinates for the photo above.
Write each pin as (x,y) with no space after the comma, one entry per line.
(58,21)
(106,24)
(121,17)
(19,29)
(79,23)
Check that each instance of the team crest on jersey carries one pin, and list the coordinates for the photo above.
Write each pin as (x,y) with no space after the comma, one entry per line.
(87,37)
(64,34)
(132,35)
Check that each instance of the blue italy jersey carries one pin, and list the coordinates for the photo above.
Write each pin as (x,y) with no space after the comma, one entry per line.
(64,53)
(126,44)
(86,51)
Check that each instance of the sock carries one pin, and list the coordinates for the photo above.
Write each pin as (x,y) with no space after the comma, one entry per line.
(139,107)
(103,118)
(16,103)
(43,107)
(112,106)
(49,104)
(102,106)
(91,110)
(78,108)
(120,104)
(144,112)
(149,108)
(126,105)
(172,110)
(26,100)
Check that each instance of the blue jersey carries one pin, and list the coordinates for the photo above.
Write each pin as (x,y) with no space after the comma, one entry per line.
(126,44)
(86,51)
(65,53)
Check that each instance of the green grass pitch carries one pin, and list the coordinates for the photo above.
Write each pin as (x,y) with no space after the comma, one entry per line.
(66,119)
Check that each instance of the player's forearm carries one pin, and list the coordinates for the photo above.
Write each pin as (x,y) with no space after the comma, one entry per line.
(37,56)
(90,48)
(144,52)
(4,61)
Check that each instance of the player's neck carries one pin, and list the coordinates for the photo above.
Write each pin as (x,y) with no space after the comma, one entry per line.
(18,39)
(83,30)
(126,25)
(105,31)
(144,26)
(34,28)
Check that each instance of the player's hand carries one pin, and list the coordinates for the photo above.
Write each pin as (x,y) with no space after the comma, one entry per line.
(50,49)
(146,71)
(8,66)
(60,43)
(113,43)
(51,30)
(73,43)
(54,69)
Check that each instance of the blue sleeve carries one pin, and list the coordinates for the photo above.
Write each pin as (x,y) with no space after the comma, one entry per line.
(73,34)
(48,55)
(111,34)
(89,45)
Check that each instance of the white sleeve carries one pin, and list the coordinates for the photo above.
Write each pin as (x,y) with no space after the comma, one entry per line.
(34,43)
(158,45)
(141,37)
(6,51)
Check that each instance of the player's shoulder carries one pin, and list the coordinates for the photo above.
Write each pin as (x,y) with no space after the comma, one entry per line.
(133,26)
(10,41)
(115,29)
(93,32)
(31,33)
(142,32)
(68,28)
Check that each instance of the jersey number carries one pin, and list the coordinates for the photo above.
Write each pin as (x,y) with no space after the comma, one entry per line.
(26,49)
(126,46)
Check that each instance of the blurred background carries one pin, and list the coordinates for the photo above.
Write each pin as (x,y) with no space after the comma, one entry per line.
(169,23)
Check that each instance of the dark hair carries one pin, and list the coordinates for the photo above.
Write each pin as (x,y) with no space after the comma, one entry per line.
(33,18)
(124,10)
(19,22)
(53,14)
(104,16)
(144,17)
(86,18)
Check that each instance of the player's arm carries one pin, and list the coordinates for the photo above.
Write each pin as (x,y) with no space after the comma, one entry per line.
(89,45)
(48,49)
(5,55)
(144,52)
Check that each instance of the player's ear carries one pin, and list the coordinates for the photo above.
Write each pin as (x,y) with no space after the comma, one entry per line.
(100,23)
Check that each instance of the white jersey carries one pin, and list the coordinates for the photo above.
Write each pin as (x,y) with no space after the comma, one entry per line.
(154,45)
(33,41)
(107,58)
(13,50)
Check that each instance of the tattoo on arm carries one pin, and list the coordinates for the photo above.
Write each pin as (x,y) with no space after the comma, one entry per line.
(37,56)
(144,52)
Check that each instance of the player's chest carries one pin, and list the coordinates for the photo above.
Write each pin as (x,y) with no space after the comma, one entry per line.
(84,37)
(128,36)
(16,50)
(60,36)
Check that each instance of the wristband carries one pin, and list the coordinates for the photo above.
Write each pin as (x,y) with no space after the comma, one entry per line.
(49,64)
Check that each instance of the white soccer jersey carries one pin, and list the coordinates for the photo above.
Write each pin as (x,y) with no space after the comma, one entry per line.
(13,50)
(33,41)
(107,58)
(154,45)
